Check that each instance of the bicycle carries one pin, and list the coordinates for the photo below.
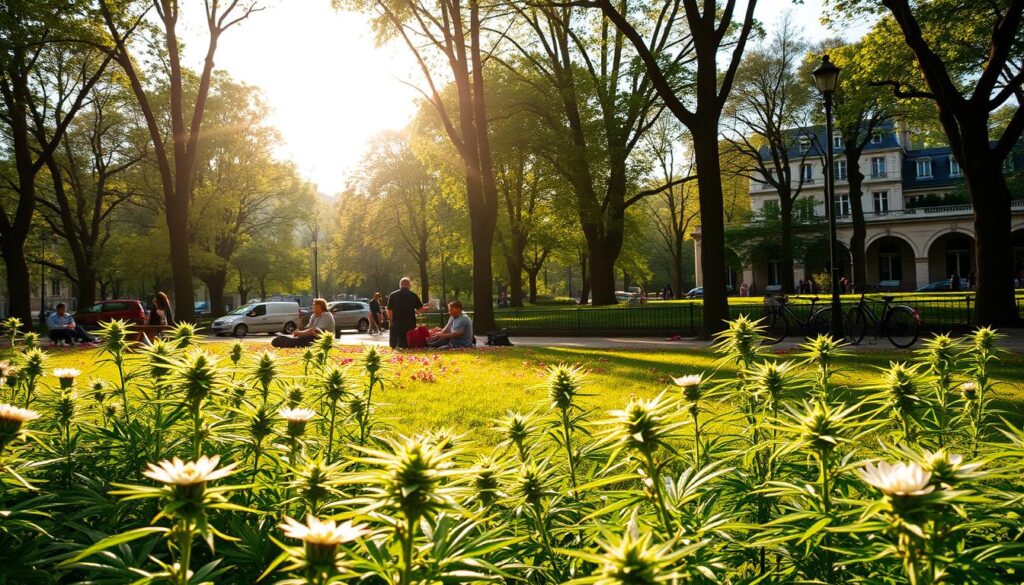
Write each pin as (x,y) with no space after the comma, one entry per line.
(777,317)
(901,324)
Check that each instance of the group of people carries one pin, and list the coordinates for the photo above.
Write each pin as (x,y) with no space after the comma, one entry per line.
(403,306)
(61,328)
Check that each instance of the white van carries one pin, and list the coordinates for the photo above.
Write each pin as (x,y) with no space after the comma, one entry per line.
(267,317)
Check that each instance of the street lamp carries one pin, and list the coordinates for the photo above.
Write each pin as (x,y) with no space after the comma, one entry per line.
(44,240)
(316,270)
(826,77)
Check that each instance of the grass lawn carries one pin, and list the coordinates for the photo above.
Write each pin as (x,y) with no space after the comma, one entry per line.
(939,312)
(466,390)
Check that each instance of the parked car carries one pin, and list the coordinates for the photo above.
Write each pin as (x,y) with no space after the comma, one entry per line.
(268,317)
(201,308)
(350,315)
(625,296)
(130,310)
(698,292)
(937,286)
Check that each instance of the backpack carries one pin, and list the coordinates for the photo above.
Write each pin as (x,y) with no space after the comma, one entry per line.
(498,339)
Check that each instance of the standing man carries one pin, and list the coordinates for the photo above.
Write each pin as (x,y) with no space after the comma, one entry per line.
(403,306)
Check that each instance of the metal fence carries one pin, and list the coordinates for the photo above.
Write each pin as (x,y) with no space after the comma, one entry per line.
(937,314)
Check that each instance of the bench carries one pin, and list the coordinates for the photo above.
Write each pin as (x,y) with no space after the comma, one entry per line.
(151,331)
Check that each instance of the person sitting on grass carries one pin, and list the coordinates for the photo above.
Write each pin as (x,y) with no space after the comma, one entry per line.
(320,321)
(457,333)
(62,327)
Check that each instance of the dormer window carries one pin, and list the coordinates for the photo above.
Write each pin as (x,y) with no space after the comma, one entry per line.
(805,143)
(954,167)
(924,168)
(837,143)
(876,138)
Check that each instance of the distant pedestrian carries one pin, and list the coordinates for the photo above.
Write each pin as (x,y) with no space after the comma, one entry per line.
(403,306)
(800,286)
(743,289)
(954,282)
(163,308)
(376,314)
(971,276)
(844,284)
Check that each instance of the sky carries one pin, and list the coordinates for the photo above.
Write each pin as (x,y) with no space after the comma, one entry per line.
(331,89)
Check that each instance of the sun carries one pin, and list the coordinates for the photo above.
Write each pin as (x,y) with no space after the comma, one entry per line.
(330,89)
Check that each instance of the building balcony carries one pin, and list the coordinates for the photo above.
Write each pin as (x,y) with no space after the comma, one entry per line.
(963,210)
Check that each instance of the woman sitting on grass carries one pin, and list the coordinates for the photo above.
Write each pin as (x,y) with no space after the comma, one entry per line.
(321,320)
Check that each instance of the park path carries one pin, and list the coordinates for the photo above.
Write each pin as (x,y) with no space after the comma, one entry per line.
(1013,342)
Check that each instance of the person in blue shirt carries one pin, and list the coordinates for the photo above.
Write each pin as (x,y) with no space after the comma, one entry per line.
(457,333)
(62,327)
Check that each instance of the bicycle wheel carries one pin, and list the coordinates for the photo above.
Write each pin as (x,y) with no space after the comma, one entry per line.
(856,325)
(819,323)
(775,326)
(901,326)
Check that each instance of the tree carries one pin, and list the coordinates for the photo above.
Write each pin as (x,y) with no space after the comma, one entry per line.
(675,210)
(240,189)
(604,104)
(770,109)
(403,194)
(43,86)
(175,150)
(968,67)
(89,181)
(711,31)
(451,30)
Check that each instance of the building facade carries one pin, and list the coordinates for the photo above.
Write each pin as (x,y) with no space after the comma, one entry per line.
(920,226)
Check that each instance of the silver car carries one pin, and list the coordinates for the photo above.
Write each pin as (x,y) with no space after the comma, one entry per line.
(267,317)
(350,315)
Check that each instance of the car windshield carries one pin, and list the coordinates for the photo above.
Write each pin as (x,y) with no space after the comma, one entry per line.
(242,310)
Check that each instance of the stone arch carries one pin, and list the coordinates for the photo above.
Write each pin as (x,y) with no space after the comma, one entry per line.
(891,261)
(942,233)
(951,252)
(872,238)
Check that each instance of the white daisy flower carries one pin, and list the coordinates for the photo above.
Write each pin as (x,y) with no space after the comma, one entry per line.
(297,414)
(687,381)
(316,531)
(897,479)
(179,473)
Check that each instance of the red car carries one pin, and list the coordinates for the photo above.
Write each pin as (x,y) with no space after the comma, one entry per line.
(129,310)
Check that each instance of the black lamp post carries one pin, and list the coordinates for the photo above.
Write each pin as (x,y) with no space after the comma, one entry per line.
(44,241)
(316,269)
(826,77)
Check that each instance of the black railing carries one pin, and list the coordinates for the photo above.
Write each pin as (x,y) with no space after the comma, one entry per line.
(952,313)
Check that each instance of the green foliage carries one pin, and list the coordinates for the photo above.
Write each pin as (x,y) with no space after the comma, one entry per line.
(783,473)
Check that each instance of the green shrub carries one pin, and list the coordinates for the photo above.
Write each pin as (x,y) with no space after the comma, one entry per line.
(186,470)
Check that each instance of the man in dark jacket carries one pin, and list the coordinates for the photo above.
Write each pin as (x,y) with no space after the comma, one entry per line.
(403,306)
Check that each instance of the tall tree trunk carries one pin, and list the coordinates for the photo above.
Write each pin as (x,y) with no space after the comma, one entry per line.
(533,285)
(602,279)
(584,279)
(19,286)
(995,304)
(216,282)
(712,231)
(677,265)
(515,279)
(421,258)
(86,275)
(786,237)
(858,254)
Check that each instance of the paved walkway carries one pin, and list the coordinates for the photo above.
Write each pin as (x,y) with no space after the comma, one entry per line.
(1014,342)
